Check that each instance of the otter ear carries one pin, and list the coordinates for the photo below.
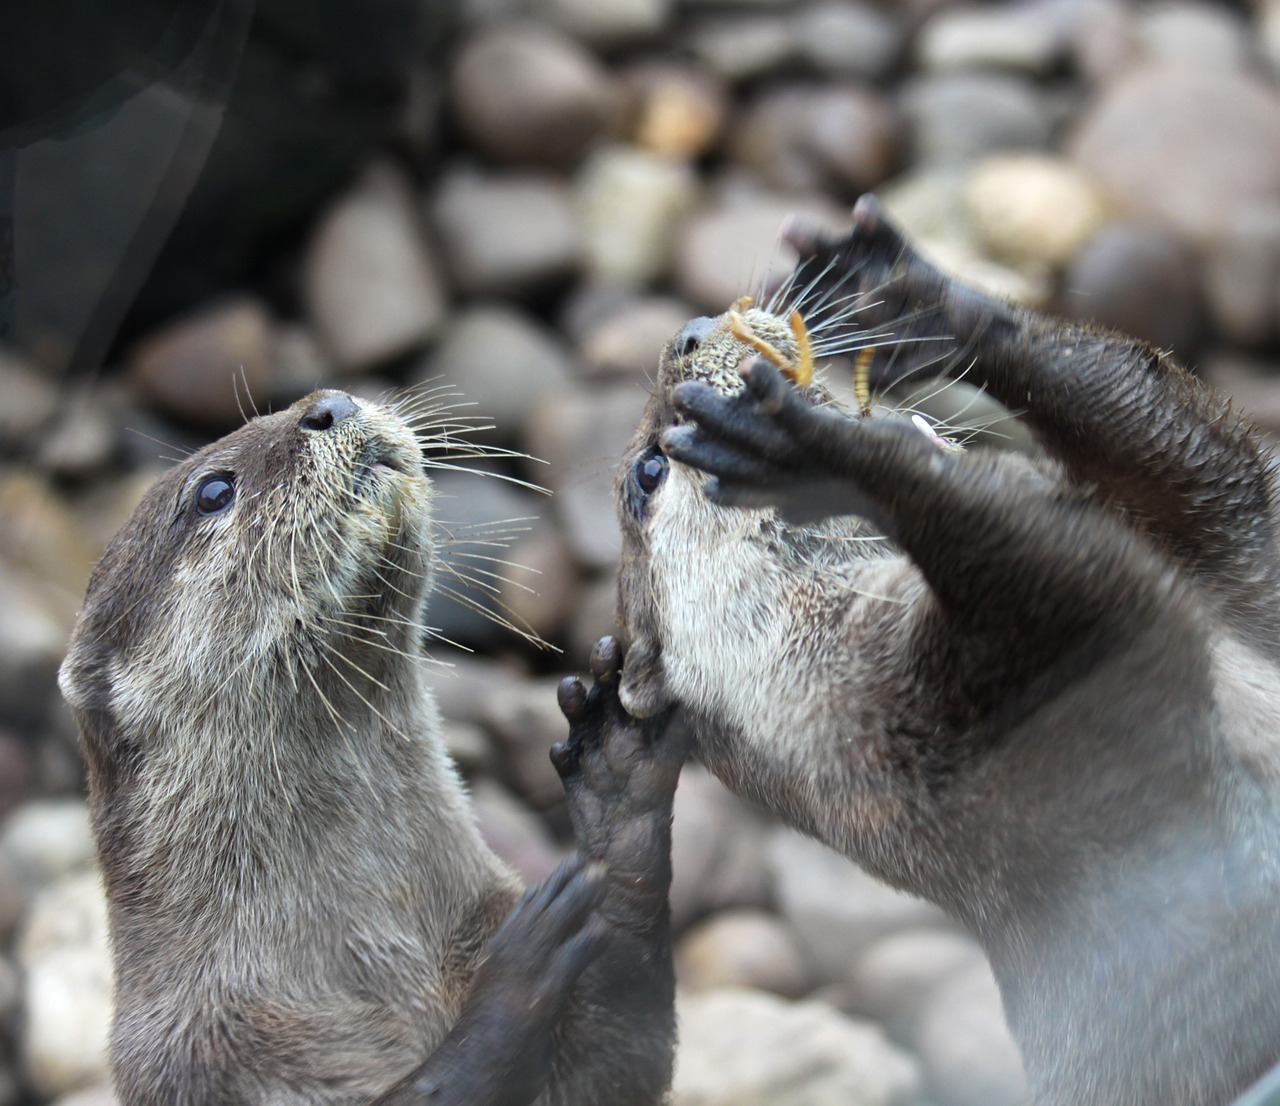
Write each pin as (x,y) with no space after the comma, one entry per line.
(643,690)
(83,677)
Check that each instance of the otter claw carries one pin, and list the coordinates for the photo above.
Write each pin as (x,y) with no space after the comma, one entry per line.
(606,659)
(571,695)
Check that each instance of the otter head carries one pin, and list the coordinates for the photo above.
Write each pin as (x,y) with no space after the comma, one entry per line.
(698,579)
(259,589)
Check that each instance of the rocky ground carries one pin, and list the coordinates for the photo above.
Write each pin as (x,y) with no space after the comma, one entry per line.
(531,197)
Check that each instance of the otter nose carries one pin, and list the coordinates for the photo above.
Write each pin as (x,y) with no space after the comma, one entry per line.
(692,335)
(328,410)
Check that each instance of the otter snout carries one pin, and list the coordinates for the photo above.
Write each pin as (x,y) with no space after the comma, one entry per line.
(327,410)
(692,335)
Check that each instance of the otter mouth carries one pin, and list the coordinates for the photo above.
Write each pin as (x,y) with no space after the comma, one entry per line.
(377,459)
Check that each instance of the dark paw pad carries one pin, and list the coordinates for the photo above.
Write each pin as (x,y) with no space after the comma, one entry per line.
(614,767)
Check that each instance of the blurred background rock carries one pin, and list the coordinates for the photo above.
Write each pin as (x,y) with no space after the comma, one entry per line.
(215,207)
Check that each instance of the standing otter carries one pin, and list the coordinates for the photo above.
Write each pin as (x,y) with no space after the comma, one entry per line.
(1044,694)
(298,897)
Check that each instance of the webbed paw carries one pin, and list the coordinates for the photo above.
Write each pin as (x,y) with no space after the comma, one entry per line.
(501,1049)
(917,319)
(620,778)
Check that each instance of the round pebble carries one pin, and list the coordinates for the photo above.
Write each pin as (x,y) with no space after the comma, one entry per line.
(743,948)
(372,285)
(511,234)
(1138,278)
(632,202)
(1031,208)
(849,39)
(962,1038)
(740,1046)
(843,139)
(499,361)
(523,92)
(732,248)
(955,117)
(1190,147)
(209,368)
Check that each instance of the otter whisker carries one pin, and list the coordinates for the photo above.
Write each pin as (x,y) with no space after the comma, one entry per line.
(491,576)
(821,306)
(180,452)
(392,587)
(782,298)
(435,634)
(466,451)
(368,616)
(471,555)
(431,463)
(510,624)
(870,339)
(416,658)
(348,661)
(490,526)
(345,728)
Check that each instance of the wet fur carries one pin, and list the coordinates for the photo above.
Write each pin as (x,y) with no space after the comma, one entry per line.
(298,894)
(1048,701)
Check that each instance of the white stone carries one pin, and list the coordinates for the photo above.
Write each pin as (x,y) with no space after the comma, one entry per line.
(94,1096)
(632,203)
(747,1048)
(606,22)
(1007,37)
(892,977)
(66,963)
(1192,33)
(742,948)
(1033,208)
(47,840)
(969,1056)
(834,906)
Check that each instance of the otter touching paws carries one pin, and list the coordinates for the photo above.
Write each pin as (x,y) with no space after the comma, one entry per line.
(302,910)
(620,777)
(1041,692)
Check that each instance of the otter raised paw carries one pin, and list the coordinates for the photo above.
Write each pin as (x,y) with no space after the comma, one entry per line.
(620,778)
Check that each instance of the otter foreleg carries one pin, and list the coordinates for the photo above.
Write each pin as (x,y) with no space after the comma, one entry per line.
(500,1051)
(616,1041)
(1117,414)
(573,1002)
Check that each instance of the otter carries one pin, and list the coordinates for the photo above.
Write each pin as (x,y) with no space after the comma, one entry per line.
(1042,691)
(301,907)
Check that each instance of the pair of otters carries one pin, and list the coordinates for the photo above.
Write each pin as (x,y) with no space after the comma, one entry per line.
(1042,693)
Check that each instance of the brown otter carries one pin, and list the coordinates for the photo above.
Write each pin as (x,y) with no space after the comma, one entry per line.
(1043,693)
(301,906)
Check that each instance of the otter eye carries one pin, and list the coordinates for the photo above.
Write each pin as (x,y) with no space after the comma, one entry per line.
(215,494)
(650,471)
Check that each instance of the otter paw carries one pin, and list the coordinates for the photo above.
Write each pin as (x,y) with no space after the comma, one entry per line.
(615,769)
(501,1049)
(766,446)
(872,266)
(531,963)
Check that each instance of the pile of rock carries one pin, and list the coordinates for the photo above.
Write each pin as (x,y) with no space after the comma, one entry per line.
(580,178)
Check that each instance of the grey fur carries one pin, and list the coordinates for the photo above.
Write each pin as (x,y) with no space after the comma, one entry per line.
(1044,694)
